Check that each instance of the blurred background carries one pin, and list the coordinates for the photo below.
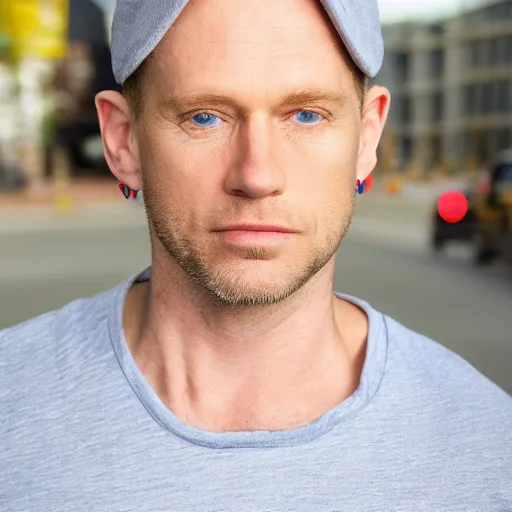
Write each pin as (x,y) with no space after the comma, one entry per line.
(66,232)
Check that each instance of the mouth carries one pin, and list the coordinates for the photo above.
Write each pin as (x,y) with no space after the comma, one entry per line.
(255,234)
(256,228)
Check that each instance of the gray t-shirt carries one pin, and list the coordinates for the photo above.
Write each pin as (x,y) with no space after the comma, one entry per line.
(81,430)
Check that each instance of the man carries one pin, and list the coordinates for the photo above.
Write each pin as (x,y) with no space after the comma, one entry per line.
(230,377)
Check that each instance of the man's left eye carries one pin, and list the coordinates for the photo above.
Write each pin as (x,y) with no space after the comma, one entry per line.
(206,120)
(308,117)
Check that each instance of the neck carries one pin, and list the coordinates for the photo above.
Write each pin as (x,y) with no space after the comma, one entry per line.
(249,369)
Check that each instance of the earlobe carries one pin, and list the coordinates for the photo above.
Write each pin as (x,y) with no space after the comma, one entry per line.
(374,117)
(119,142)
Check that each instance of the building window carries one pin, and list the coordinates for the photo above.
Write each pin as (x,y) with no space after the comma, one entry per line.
(503,139)
(495,13)
(469,100)
(436,107)
(483,53)
(405,110)
(489,98)
(405,150)
(403,66)
(501,11)
(469,55)
(476,18)
(493,49)
(502,51)
(486,99)
(437,63)
(437,28)
(486,92)
(503,103)
(508,50)
(489,53)
(477,56)
(463,99)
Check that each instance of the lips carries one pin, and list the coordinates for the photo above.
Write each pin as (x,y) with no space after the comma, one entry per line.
(257,228)
(253,235)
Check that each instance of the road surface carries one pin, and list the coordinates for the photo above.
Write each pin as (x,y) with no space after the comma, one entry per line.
(45,263)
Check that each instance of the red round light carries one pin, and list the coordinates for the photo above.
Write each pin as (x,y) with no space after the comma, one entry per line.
(452,206)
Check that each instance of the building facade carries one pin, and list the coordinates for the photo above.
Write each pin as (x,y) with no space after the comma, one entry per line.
(451,85)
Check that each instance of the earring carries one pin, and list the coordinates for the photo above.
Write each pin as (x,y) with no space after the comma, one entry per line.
(128,193)
(363,187)
(360,186)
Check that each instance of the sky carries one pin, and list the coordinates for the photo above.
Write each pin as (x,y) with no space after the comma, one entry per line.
(396,10)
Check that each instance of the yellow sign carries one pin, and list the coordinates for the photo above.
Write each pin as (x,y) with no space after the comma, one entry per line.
(37,28)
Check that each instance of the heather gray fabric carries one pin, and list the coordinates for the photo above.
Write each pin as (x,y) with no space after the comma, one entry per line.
(82,431)
(139,25)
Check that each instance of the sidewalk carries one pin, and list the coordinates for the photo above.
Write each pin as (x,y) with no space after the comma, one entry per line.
(86,217)
(95,204)
(83,191)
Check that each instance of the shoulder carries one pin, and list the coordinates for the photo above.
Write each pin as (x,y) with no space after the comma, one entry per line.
(459,413)
(54,366)
(30,346)
(447,377)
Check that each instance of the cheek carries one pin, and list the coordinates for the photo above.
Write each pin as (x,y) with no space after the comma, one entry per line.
(179,176)
(327,169)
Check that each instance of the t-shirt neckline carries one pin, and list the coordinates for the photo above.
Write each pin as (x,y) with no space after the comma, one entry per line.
(371,377)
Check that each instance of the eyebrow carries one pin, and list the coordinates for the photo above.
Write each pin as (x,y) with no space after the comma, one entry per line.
(310,96)
(294,99)
(177,101)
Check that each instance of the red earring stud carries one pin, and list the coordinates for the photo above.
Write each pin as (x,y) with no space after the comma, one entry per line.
(128,193)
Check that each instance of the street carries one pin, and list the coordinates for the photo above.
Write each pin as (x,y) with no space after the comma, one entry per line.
(384,260)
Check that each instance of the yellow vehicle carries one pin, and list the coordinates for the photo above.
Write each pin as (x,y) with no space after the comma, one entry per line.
(493,211)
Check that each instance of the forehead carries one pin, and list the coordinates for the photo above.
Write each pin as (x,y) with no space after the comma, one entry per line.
(251,42)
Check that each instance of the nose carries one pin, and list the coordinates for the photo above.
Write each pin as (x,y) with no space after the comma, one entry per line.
(255,173)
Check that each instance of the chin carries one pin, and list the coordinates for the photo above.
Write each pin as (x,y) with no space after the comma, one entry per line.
(247,275)
(255,283)
(249,295)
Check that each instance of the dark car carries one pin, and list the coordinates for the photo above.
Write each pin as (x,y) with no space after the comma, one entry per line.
(494,213)
(443,232)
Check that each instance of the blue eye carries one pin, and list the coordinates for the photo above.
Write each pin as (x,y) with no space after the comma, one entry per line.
(308,117)
(206,120)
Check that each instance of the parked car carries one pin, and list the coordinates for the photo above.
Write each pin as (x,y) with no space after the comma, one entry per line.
(487,226)
(493,240)
(443,232)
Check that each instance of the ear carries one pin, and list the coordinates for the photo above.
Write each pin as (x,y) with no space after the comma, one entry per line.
(374,116)
(119,138)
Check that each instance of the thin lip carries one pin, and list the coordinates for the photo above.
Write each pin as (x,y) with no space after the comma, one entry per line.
(262,228)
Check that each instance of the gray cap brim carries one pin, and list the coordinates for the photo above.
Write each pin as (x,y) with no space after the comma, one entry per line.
(139,25)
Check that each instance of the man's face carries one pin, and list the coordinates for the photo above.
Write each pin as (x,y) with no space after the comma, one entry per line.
(248,141)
